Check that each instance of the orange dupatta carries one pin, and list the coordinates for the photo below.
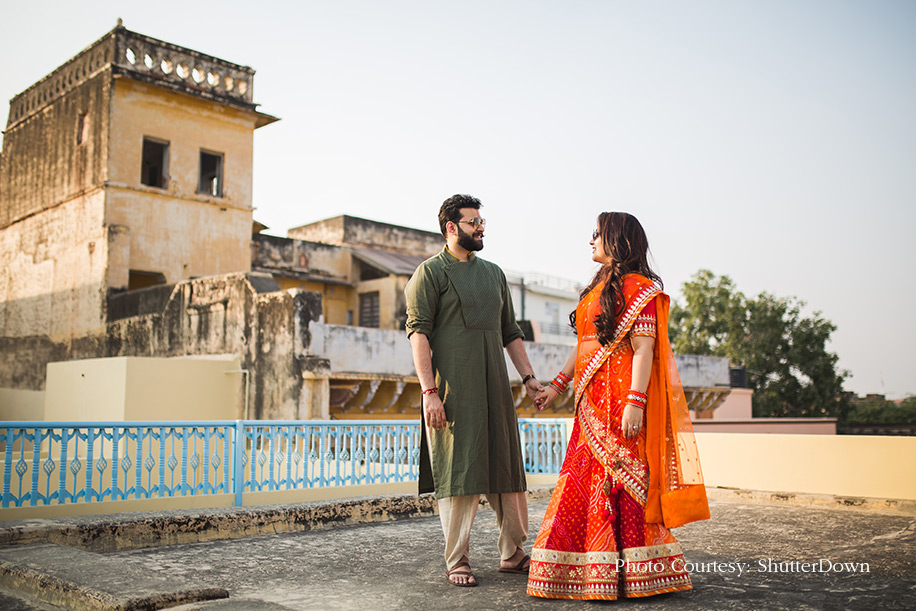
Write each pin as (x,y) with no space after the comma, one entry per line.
(676,494)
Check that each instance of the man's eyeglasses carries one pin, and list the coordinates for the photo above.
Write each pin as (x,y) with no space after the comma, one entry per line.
(595,235)
(474,222)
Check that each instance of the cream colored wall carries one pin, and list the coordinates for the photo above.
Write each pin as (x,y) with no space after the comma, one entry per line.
(18,405)
(52,271)
(137,388)
(184,389)
(176,231)
(736,405)
(844,465)
(88,389)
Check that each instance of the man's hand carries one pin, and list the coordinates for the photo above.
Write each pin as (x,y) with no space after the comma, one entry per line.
(544,397)
(434,411)
(533,387)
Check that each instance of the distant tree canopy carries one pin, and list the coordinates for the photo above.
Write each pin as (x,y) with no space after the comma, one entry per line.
(788,365)
(871,412)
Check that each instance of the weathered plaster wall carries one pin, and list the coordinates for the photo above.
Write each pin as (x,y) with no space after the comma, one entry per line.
(241,315)
(177,231)
(387,352)
(324,260)
(702,371)
(43,164)
(52,272)
(238,314)
(369,351)
(353,231)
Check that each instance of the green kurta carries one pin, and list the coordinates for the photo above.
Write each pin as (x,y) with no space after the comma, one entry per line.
(465,310)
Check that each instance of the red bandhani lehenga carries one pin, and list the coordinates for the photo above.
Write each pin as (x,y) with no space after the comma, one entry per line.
(605,533)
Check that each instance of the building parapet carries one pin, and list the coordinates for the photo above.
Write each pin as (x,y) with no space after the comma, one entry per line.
(142,58)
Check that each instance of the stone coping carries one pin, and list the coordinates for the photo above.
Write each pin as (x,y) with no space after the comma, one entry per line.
(114,532)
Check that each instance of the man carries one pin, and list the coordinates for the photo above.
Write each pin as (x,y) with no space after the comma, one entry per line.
(459,319)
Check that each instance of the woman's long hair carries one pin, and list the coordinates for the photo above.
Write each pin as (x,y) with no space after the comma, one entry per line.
(625,241)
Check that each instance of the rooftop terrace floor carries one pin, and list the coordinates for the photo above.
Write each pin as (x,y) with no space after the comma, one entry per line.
(399,565)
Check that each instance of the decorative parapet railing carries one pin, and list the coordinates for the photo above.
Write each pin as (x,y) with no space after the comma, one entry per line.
(144,58)
(184,68)
(58,463)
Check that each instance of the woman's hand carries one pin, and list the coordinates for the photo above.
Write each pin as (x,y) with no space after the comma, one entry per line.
(631,423)
(544,397)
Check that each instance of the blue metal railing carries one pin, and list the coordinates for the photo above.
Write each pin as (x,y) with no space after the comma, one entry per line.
(56,463)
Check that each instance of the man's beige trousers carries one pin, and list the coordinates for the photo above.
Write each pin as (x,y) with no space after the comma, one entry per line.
(457,514)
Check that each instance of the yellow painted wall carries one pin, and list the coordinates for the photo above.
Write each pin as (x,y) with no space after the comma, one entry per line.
(21,404)
(89,389)
(843,465)
(138,388)
(53,271)
(336,301)
(177,231)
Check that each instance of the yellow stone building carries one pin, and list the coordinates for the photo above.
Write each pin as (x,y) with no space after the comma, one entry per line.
(128,166)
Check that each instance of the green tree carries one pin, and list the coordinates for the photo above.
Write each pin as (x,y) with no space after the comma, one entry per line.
(789,367)
(878,412)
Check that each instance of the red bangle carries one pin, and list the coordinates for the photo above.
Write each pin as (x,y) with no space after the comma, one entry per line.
(429,391)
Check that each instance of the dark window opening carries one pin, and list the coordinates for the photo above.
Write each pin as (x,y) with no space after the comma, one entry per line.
(155,167)
(82,128)
(210,178)
(141,280)
(368,310)
(368,272)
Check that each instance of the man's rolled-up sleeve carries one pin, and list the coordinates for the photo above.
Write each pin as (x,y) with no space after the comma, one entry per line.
(422,293)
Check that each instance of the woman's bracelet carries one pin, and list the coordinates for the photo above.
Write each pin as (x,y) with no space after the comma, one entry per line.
(560,383)
(638,397)
(636,405)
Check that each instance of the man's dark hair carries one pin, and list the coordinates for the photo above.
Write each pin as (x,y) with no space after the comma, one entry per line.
(451,209)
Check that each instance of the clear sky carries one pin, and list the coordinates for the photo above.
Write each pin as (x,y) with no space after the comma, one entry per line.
(773,141)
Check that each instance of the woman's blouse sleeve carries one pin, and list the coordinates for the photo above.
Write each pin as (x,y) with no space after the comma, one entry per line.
(645,325)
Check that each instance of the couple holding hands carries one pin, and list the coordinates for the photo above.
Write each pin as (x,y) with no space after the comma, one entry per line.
(631,470)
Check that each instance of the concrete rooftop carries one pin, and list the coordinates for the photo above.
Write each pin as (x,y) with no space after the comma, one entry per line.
(398,564)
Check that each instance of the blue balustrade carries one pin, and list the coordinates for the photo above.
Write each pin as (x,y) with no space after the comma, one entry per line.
(56,463)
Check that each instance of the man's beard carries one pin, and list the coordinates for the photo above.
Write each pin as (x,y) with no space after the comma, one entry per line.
(467,241)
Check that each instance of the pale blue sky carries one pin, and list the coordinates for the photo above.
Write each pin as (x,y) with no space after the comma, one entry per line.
(773,141)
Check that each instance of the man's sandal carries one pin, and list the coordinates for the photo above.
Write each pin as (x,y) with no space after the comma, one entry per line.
(521,568)
(455,572)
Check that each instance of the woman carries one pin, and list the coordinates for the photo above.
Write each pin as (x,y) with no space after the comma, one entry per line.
(631,470)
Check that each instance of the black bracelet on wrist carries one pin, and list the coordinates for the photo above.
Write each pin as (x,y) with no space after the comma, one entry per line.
(530,376)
